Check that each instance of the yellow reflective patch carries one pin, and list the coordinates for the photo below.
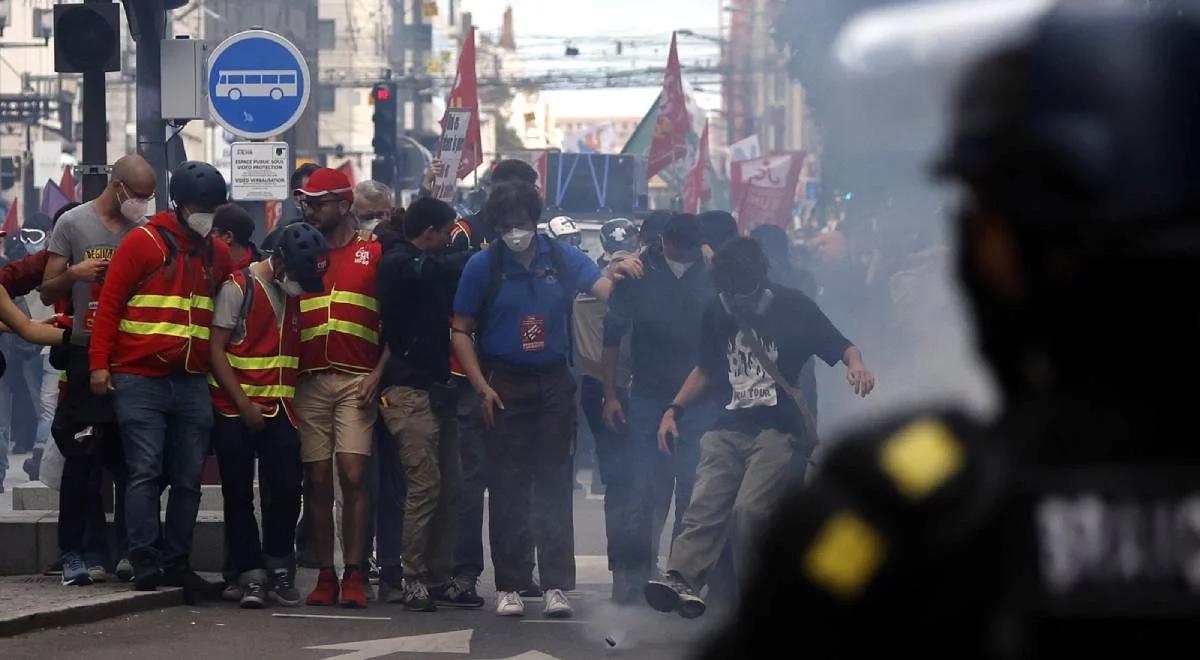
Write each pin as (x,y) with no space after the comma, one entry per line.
(202,302)
(171,302)
(844,556)
(170,329)
(314,332)
(273,362)
(921,457)
(309,304)
(356,299)
(344,327)
(272,391)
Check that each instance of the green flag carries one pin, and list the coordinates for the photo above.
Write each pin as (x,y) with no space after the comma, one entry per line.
(643,136)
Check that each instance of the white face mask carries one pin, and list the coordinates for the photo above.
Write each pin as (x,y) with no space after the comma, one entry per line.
(517,240)
(133,209)
(291,287)
(677,267)
(201,223)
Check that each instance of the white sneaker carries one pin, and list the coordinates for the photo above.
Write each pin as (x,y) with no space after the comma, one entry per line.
(557,605)
(509,603)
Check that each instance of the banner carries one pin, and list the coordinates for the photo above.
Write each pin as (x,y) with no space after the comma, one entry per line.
(53,198)
(11,224)
(672,125)
(696,189)
(747,149)
(465,94)
(455,126)
(67,184)
(764,189)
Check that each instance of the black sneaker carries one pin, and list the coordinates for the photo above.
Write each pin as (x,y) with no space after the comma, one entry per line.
(283,589)
(147,578)
(194,586)
(458,593)
(672,593)
(254,596)
(416,597)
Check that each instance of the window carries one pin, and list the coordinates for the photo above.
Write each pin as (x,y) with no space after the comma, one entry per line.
(270,80)
(222,81)
(326,34)
(326,98)
(254,80)
(236,80)
(288,79)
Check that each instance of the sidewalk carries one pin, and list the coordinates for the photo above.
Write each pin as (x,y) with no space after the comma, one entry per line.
(30,602)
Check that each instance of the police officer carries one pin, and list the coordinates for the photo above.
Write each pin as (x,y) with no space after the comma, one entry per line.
(1067,528)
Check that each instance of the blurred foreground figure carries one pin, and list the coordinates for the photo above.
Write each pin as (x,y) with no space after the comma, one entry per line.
(1071,526)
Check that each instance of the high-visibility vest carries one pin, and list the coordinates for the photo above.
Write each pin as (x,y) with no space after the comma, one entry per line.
(266,361)
(339,328)
(170,313)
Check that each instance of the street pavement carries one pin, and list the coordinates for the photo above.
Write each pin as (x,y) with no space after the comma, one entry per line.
(218,630)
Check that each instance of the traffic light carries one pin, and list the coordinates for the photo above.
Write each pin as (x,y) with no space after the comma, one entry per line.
(386,118)
(87,37)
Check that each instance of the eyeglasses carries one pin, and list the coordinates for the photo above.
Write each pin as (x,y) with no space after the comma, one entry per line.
(318,203)
(133,195)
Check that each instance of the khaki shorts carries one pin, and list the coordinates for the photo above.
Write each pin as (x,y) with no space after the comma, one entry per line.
(329,416)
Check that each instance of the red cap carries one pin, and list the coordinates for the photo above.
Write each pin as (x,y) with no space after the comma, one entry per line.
(326,181)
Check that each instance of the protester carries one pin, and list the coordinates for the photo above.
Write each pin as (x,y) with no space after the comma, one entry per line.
(292,212)
(473,234)
(662,312)
(336,397)
(150,350)
(255,358)
(234,227)
(373,202)
(81,247)
(516,296)
(416,290)
(754,339)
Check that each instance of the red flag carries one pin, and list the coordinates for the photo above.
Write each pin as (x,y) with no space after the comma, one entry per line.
(465,94)
(347,168)
(695,189)
(11,226)
(67,184)
(671,128)
(764,189)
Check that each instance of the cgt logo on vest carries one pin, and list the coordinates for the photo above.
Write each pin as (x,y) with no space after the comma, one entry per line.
(363,256)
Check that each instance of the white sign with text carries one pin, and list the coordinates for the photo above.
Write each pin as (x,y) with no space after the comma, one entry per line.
(450,149)
(259,171)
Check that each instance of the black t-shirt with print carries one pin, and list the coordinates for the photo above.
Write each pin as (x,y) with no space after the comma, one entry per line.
(792,329)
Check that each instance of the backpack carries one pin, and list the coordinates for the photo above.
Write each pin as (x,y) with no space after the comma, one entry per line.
(169,259)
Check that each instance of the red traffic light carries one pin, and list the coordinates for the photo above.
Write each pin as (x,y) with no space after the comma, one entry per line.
(382,94)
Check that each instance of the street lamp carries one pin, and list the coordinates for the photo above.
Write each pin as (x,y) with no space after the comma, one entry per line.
(43,24)
(706,37)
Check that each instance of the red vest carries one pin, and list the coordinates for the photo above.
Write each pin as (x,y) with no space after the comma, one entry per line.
(169,314)
(267,360)
(339,328)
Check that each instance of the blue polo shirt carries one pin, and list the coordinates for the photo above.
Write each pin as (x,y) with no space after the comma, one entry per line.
(527,322)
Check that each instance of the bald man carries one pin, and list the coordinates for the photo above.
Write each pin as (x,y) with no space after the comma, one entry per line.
(83,242)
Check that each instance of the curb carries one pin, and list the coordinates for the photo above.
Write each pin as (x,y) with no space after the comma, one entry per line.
(89,612)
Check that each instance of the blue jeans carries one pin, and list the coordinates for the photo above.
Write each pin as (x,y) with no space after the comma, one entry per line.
(659,478)
(165,425)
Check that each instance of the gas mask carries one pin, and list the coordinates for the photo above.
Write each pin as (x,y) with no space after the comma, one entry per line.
(517,239)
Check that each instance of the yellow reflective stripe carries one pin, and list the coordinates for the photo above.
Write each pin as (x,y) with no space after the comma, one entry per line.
(356,299)
(309,304)
(171,302)
(270,391)
(344,327)
(274,362)
(344,297)
(171,329)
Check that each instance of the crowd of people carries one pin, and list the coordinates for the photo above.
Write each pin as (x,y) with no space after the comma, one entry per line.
(400,362)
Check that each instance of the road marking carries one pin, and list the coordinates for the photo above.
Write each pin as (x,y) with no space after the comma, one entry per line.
(457,641)
(575,621)
(530,655)
(332,616)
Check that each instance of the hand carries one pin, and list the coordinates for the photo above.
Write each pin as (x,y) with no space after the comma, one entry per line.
(707,253)
(101,382)
(668,432)
(630,268)
(252,415)
(489,401)
(614,414)
(368,388)
(861,380)
(436,169)
(88,270)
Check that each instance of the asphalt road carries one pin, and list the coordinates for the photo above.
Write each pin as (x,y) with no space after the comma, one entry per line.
(216,630)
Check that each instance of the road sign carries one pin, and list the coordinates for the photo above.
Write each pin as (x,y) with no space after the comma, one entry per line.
(47,161)
(450,150)
(258,84)
(259,171)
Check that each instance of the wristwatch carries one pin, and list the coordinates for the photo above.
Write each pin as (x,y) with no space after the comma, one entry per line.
(677,408)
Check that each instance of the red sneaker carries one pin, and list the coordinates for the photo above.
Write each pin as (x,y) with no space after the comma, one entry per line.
(326,593)
(354,590)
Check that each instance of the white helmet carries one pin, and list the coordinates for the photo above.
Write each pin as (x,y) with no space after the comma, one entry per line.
(562,227)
